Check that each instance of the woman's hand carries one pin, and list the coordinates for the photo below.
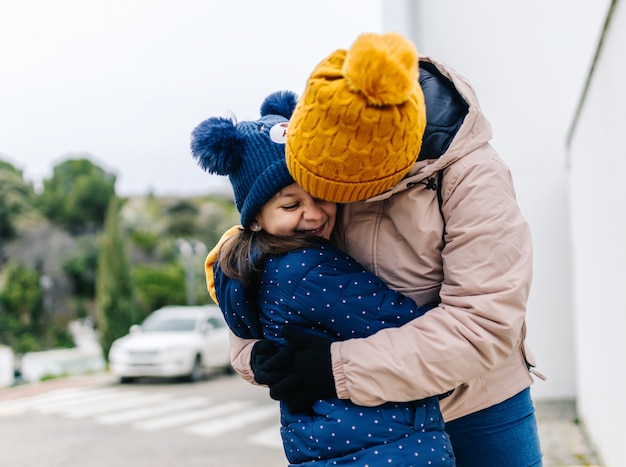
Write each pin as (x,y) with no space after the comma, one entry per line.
(298,374)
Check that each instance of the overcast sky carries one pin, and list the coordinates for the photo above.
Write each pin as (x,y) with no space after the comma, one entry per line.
(125,81)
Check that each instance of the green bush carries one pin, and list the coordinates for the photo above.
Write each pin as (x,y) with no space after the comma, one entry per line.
(159,285)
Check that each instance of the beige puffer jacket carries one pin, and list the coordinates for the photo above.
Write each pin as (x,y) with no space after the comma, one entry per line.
(474,340)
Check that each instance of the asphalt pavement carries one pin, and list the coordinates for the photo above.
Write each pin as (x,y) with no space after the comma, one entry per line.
(563,438)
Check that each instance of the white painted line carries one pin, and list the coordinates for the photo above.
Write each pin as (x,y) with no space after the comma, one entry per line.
(270,437)
(225,424)
(9,411)
(85,398)
(187,417)
(122,402)
(150,412)
(27,402)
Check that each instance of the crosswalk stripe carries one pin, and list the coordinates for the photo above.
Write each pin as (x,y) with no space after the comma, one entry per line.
(57,398)
(27,402)
(87,398)
(120,403)
(152,411)
(270,437)
(223,425)
(187,417)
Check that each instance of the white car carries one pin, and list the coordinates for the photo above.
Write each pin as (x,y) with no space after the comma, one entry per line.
(174,341)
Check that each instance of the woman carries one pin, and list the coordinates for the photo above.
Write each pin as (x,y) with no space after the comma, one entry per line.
(433,219)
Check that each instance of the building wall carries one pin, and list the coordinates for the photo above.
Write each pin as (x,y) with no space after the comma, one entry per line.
(598,224)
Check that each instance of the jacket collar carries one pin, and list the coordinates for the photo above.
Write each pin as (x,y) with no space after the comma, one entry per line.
(455,125)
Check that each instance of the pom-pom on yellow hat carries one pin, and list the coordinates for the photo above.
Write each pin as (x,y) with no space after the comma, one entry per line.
(357,129)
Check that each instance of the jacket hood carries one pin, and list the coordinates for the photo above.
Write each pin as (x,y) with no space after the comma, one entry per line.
(455,124)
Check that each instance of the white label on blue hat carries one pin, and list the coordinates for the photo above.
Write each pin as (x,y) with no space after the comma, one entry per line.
(278,133)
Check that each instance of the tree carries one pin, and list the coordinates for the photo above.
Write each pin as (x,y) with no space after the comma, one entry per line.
(81,267)
(182,218)
(21,294)
(77,195)
(21,308)
(114,290)
(16,197)
(158,285)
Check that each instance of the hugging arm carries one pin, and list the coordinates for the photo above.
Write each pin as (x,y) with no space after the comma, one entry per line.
(487,268)
(478,325)
(335,299)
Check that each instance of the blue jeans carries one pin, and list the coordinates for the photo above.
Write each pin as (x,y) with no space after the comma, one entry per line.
(504,435)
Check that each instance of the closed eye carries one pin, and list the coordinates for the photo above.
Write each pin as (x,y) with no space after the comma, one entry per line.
(290,207)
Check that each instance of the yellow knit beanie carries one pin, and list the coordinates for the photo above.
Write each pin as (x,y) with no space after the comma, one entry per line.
(357,129)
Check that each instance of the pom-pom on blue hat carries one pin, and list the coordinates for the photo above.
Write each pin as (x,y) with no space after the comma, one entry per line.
(252,154)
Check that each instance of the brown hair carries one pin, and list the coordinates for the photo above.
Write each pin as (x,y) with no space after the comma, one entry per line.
(242,256)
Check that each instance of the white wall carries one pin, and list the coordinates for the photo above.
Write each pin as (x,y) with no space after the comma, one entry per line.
(598,225)
(527,61)
(7,366)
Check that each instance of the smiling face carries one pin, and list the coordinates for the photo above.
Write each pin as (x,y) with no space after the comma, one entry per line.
(294,211)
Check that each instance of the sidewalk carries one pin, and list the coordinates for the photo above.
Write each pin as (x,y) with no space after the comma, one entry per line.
(563,440)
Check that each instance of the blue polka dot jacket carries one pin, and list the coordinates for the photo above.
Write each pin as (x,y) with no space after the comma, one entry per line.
(328,293)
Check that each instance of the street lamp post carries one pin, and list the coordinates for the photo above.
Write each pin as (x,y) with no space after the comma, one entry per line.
(189,249)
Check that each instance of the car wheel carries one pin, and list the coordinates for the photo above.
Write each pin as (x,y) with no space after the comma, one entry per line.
(196,371)
(126,379)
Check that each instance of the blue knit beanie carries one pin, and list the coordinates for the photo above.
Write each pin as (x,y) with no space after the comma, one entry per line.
(252,154)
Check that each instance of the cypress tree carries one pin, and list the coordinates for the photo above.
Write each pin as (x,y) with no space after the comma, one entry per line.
(114,292)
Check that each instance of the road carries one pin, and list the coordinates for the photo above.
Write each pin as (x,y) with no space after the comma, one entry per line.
(221,421)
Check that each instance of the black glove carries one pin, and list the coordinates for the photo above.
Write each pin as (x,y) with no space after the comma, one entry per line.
(269,362)
(311,369)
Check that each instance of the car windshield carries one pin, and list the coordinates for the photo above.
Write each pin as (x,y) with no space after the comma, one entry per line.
(168,324)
